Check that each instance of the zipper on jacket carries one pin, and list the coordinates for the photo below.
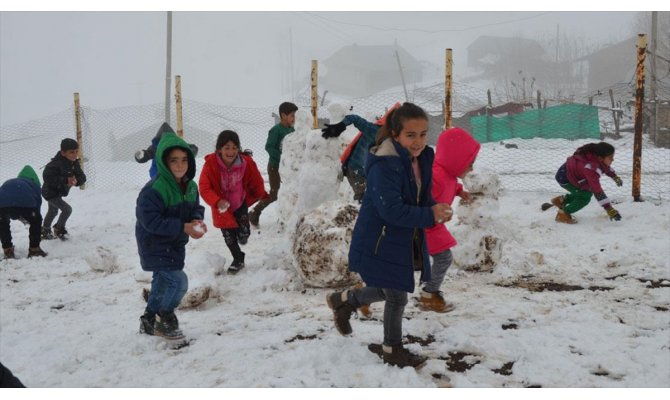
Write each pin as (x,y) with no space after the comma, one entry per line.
(379,239)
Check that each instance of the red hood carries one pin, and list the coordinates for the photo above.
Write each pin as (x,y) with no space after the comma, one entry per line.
(456,150)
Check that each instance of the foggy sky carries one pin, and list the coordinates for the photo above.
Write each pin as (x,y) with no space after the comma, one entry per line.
(239,59)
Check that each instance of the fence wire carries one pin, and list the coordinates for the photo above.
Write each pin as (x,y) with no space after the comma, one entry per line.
(112,136)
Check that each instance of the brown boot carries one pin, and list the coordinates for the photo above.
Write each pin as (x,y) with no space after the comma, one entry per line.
(342,310)
(36,252)
(563,217)
(397,356)
(558,202)
(434,302)
(9,253)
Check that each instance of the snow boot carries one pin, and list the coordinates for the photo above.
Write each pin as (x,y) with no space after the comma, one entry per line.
(236,266)
(147,322)
(434,302)
(398,356)
(9,253)
(563,217)
(61,233)
(36,252)
(46,233)
(342,310)
(167,326)
(558,201)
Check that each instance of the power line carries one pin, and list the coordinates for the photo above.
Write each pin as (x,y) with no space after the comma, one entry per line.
(425,30)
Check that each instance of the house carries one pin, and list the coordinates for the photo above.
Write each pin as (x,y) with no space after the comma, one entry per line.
(611,65)
(490,51)
(359,71)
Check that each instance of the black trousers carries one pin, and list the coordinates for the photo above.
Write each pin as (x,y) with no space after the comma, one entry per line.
(31,215)
(231,235)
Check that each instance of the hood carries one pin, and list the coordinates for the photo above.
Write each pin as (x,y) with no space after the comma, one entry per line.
(456,150)
(163,129)
(29,173)
(168,141)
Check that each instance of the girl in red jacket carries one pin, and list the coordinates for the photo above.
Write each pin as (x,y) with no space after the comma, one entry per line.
(580,175)
(230,183)
(454,156)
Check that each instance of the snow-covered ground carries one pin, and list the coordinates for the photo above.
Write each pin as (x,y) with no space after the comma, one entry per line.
(584,305)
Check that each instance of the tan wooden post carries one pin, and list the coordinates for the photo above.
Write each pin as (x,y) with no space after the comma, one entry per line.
(80,139)
(448,89)
(639,101)
(177,96)
(315,93)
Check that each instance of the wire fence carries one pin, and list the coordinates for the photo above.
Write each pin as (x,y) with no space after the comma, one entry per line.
(525,156)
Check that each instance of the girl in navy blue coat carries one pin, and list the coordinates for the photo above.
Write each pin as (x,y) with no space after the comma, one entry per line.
(388,242)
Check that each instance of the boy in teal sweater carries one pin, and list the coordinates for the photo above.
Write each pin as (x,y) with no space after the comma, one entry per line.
(273,146)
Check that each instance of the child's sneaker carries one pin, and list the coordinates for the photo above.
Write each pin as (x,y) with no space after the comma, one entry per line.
(36,252)
(167,326)
(236,266)
(9,253)
(434,302)
(46,234)
(61,233)
(147,322)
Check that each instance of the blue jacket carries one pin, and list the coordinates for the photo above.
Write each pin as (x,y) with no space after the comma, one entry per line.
(22,192)
(356,160)
(163,206)
(392,218)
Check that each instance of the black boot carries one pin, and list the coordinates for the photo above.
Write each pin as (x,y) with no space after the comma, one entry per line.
(147,321)
(341,311)
(236,265)
(397,356)
(167,326)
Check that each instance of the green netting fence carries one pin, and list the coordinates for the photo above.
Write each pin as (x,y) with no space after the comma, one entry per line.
(567,121)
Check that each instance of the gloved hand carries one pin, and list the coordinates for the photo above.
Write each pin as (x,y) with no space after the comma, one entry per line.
(614,214)
(617,180)
(333,130)
(248,152)
(140,156)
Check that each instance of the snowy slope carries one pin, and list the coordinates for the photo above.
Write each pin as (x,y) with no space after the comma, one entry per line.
(601,319)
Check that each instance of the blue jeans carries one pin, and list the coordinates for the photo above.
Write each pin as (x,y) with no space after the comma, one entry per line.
(441,262)
(167,290)
(396,300)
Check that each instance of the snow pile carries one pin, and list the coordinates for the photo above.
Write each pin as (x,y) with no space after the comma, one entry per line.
(321,245)
(480,246)
(102,260)
(308,169)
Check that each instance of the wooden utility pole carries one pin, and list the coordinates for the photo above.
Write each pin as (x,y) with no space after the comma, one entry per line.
(168,67)
(448,88)
(315,93)
(80,139)
(177,96)
(639,101)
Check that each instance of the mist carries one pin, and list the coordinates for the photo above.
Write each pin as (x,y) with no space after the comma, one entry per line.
(243,59)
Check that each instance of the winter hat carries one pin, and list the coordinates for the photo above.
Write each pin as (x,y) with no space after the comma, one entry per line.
(68,144)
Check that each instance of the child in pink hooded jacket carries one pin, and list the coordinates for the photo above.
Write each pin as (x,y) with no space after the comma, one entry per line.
(455,155)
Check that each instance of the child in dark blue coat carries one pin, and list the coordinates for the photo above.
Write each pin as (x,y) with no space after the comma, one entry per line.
(168,212)
(142,156)
(20,199)
(388,242)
